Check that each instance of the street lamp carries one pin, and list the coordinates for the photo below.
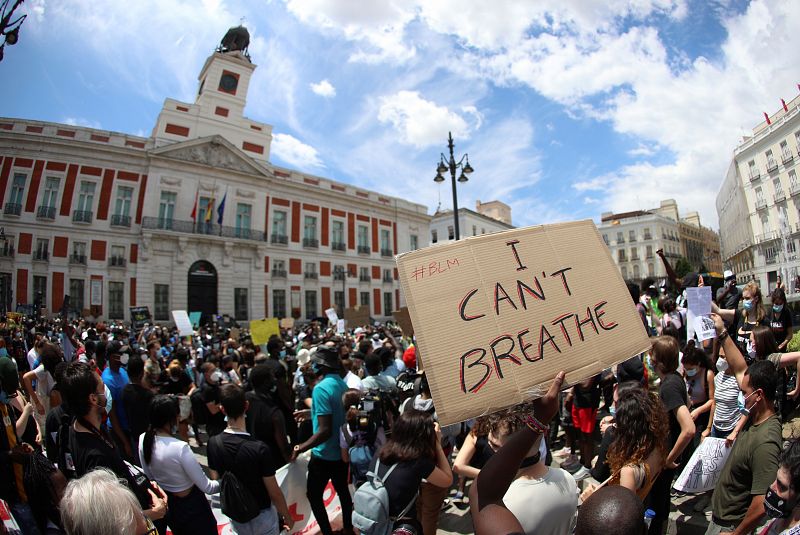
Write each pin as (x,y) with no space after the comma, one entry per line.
(452,165)
(9,30)
(340,272)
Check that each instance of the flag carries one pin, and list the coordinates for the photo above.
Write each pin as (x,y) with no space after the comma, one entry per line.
(209,210)
(767,118)
(785,107)
(194,209)
(221,208)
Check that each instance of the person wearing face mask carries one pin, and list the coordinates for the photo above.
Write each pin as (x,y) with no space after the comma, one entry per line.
(89,442)
(116,378)
(726,421)
(782,501)
(780,319)
(215,420)
(738,499)
(264,419)
(699,380)
(745,321)
(171,463)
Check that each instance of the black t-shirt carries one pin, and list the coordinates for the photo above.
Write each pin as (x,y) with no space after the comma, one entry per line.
(780,324)
(588,397)
(52,424)
(215,423)
(179,386)
(743,328)
(403,483)
(259,421)
(136,400)
(248,458)
(483,452)
(673,394)
(601,470)
(90,451)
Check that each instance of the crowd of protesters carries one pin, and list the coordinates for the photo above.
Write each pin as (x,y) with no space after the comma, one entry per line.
(103,424)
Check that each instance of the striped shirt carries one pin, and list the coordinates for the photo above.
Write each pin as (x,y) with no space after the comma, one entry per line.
(726,395)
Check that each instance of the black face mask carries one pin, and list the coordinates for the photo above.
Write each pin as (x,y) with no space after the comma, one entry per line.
(530,461)
(777,507)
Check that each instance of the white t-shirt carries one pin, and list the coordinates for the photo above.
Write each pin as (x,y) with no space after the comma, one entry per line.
(556,499)
(174,467)
(44,383)
(353,381)
(32,356)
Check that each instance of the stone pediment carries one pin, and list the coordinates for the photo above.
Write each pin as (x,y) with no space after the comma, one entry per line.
(212,151)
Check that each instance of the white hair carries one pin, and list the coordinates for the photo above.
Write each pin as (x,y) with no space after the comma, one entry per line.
(99,504)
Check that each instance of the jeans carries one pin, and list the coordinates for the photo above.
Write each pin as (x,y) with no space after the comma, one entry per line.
(660,501)
(716,433)
(320,471)
(266,523)
(716,529)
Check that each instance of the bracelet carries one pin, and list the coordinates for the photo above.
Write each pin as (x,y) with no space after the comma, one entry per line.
(535,425)
(723,336)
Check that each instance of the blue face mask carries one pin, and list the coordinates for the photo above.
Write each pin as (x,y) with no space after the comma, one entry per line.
(741,403)
(691,373)
(282,354)
(3,397)
(777,308)
(612,410)
(747,304)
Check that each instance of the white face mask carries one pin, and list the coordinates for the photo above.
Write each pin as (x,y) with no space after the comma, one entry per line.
(722,365)
(123,359)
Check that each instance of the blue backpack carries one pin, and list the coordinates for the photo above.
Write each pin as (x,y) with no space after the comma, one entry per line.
(371,505)
(361,449)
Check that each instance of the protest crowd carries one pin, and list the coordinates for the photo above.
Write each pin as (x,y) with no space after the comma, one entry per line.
(106,424)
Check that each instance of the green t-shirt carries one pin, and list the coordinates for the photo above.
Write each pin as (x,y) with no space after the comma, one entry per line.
(750,469)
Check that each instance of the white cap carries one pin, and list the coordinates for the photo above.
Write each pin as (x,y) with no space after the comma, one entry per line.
(301,336)
(728,274)
(358,330)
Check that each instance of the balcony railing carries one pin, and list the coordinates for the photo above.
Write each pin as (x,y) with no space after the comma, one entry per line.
(787,157)
(761,204)
(622,259)
(387,252)
(338,246)
(364,249)
(780,196)
(117,261)
(766,237)
(388,279)
(648,237)
(208,229)
(42,256)
(13,208)
(81,216)
(278,273)
(364,278)
(311,242)
(634,258)
(632,239)
(620,240)
(794,189)
(310,275)
(7,251)
(77,259)
(754,175)
(282,239)
(46,212)
(119,220)
(648,256)
(771,165)
(771,259)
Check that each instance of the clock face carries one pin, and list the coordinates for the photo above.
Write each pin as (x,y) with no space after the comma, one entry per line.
(228,82)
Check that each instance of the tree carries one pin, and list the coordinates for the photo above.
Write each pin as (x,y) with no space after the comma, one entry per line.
(682,267)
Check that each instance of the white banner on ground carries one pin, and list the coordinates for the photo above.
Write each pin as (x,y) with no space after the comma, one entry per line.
(704,467)
(292,480)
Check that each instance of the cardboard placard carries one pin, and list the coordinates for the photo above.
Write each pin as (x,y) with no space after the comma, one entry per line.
(404,320)
(333,318)
(704,467)
(357,316)
(234,334)
(139,316)
(182,322)
(261,330)
(497,316)
(287,323)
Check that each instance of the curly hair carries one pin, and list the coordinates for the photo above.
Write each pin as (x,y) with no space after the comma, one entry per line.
(501,424)
(642,427)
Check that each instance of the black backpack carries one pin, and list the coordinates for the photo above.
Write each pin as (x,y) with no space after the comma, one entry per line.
(236,500)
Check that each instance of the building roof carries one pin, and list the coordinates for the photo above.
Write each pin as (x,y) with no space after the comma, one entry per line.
(625,215)
(442,214)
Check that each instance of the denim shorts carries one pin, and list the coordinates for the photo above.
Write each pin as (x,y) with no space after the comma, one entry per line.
(266,523)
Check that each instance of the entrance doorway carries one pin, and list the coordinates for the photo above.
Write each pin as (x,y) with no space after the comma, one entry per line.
(203,290)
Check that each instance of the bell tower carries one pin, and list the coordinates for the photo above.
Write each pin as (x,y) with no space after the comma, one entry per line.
(218,108)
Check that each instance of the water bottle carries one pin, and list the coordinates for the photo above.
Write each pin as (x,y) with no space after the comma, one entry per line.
(649,515)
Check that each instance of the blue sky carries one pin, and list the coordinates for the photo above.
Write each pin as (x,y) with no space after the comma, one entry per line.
(567,108)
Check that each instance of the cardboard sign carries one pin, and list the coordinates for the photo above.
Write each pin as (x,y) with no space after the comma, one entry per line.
(261,330)
(234,334)
(497,316)
(287,323)
(139,316)
(182,322)
(404,320)
(357,316)
(333,318)
(704,467)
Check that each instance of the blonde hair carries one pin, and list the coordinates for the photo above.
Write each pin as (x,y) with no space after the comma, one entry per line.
(755,293)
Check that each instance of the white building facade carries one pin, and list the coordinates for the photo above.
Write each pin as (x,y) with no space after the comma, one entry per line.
(194,217)
(470,223)
(759,202)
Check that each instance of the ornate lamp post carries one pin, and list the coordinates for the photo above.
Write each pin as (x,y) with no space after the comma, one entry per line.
(452,165)
(9,29)
(341,272)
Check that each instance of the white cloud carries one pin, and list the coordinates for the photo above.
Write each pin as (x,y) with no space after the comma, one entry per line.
(294,152)
(81,121)
(420,122)
(324,89)
(643,149)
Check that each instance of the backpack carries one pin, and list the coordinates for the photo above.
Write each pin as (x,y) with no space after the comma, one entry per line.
(361,449)
(64,458)
(371,505)
(236,500)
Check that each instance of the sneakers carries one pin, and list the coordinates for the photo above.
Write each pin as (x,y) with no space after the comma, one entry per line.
(571,464)
(581,474)
(563,452)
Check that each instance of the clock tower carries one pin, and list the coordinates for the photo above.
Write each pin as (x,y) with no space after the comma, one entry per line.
(218,108)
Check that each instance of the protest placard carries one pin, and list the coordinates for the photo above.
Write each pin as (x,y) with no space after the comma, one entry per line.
(704,467)
(182,322)
(357,316)
(234,334)
(404,320)
(261,330)
(497,316)
(333,318)
(194,317)
(340,326)
(287,323)
(139,316)
(698,313)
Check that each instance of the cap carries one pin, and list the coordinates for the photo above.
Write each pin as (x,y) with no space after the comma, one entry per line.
(328,357)
(728,274)
(630,370)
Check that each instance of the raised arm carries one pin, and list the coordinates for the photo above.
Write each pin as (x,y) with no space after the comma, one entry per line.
(736,361)
(673,277)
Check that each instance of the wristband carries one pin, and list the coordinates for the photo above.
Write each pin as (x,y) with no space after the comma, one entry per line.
(722,336)
(535,425)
